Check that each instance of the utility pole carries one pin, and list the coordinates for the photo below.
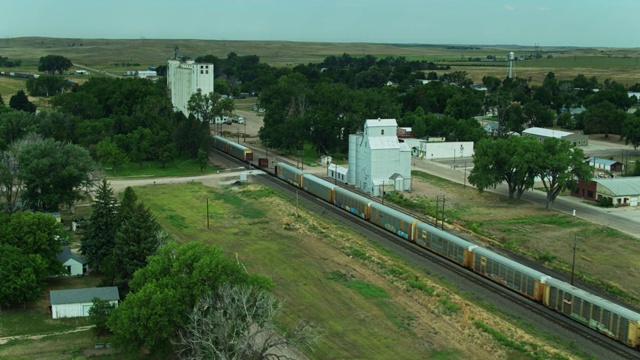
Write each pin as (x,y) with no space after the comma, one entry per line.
(573,264)
(437,207)
(207,213)
(442,222)
(465,175)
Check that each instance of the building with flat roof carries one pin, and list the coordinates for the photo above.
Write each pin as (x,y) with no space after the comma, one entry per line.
(78,302)
(541,134)
(184,78)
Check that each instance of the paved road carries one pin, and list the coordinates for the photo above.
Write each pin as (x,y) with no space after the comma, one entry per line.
(624,219)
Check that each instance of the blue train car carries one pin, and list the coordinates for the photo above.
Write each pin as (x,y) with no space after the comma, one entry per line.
(221,143)
(398,223)
(319,187)
(444,244)
(290,174)
(526,281)
(351,202)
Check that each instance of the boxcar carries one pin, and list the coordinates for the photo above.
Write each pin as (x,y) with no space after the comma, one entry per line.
(445,244)
(602,315)
(351,202)
(290,174)
(523,279)
(319,187)
(398,223)
(240,152)
(221,143)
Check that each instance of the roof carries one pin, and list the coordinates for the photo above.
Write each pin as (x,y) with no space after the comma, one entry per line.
(380,122)
(67,254)
(383,142)
(546,132)
(76,296)
(602,161)
(621,186)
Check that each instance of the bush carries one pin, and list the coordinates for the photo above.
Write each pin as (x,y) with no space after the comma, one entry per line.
(605,202)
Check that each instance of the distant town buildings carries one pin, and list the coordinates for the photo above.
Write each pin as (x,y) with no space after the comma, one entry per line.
(184,78)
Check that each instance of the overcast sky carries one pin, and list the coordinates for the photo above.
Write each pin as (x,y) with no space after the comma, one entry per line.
(610,23)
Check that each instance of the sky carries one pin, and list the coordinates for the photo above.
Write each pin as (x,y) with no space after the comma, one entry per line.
(583,23)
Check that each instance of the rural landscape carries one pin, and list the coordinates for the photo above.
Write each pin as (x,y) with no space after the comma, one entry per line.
(165,218)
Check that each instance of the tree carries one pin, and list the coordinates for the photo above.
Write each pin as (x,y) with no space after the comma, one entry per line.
(603,118)
(238,322)
(631,130)
(53,173)
(99,314)
(173,280)
(10,182)
(110,154)
(34,234)
(559,167)
(19,101)
(15,125)
(504,160)
(22,276)
(138,237)
(54,63)
(203,106)
(46,85)
(98,240)
(203,159)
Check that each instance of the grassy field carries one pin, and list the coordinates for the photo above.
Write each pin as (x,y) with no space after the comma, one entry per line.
(178,167)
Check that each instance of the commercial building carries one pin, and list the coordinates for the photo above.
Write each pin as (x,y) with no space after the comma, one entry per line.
(184,78)
(541,134)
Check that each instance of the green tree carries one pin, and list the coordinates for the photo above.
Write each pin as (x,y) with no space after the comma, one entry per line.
(204,106)
(99,314)
(98,240)
(15,125)
(46,85)
(203,159)
(110,154)
(173,280)
(54,63)
(19,101)
(53,173)
(138,237)
(537,115)
(603,118)
(34,234)
(463,106)
(559,166)
(631,130)
(22,276)
(505,160)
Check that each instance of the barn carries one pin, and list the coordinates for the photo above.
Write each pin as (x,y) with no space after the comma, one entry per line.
(77,302)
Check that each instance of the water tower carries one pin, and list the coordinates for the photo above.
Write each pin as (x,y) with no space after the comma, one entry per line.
(512,65)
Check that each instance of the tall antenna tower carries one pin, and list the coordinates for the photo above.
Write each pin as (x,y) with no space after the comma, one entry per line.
(512,65)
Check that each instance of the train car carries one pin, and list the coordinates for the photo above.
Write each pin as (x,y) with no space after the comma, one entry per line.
(520,278)
(445,244)
(240,152)
(221,143)
(351,202)
(319,187)
(393,220)
(602,315)
(290,174)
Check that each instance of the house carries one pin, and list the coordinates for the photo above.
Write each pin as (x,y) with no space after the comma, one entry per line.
(541,134)
(77,302)
(604,164)
(74,264)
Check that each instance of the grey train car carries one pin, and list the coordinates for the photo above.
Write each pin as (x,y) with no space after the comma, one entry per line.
(445,244)
(351,202)
(602,315)
(290,174)
(392,220)
(523,279)
(319,187)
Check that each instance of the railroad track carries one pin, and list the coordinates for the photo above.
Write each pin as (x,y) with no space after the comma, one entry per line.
(614,349)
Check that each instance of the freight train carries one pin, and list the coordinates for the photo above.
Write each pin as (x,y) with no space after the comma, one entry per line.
(599,314)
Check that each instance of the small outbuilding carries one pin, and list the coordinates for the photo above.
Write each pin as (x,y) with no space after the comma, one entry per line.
(74,264)
(604,164)
(77,302)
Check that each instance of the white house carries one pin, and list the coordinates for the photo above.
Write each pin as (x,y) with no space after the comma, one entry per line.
(74,264)
(77,302)
(378,162)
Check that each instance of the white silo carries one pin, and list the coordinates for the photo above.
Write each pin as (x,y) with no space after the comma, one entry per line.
(512,64)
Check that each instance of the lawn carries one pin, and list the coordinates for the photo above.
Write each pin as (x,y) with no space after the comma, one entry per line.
(150,169)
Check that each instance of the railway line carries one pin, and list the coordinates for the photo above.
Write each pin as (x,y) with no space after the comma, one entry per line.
(515,306)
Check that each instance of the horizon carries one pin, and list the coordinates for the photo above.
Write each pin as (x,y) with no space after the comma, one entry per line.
(548,23)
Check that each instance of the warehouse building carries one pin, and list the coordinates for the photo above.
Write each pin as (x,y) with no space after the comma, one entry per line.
(77,302)
(184,78)
(378,162)
(541,134)
(623,191)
